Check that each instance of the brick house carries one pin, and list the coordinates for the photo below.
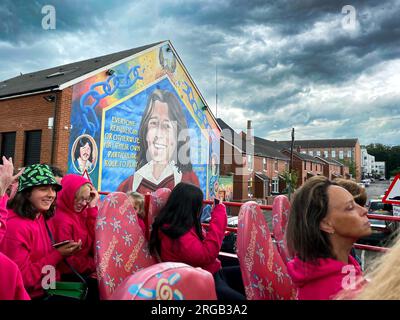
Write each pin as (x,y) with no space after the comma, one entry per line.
(332,169)
(305,165)
(94,115)
(342,150)
(39,131)
(254,162)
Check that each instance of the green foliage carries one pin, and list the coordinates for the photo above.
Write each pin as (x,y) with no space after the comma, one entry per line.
(290,179)
(352,166)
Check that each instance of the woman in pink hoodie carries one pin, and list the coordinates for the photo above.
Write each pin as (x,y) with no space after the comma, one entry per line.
(323,225)
(26,241)
(75,218)
(177,236)
(12,286)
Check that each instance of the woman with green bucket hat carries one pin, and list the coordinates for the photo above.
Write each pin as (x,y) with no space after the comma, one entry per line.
(27,241)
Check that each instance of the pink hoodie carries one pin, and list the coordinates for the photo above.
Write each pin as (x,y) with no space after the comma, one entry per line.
(322,281)
(12,286)
(27,243)
(71,225)
(191,250)
(3,215)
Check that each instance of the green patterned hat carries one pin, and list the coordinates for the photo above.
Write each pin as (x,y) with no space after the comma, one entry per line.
(37,175)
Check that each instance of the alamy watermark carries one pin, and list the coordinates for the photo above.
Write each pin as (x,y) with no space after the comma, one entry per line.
(49,20)
(349,21)
(49,278)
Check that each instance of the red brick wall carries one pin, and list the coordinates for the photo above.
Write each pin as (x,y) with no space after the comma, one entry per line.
(32,113)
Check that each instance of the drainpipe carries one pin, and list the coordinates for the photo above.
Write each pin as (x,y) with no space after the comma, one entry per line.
(53,143)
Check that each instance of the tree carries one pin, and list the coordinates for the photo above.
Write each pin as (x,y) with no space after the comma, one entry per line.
(389,154)
(352,166)
(290,179)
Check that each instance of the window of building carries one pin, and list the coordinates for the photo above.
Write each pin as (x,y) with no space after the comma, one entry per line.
(333,154)
(318,153)
(325,154)
(305,165)
(311,153)
(276,165)
(275,185)
(7,145)
(340,154)
(264,164)
(348,153)
(33,141)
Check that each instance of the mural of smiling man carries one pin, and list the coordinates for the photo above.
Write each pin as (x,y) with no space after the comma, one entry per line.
(143,126)
(158,165)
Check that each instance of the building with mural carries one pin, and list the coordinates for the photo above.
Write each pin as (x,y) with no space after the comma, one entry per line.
(134,120)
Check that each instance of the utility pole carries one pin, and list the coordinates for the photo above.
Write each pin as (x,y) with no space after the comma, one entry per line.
(291,152)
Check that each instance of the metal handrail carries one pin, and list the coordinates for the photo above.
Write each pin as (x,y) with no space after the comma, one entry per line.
(269,208)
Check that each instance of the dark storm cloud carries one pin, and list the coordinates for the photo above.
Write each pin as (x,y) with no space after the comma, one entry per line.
(21,20)
(284,63)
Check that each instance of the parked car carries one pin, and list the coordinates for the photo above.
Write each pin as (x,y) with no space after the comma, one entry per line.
(382,231)
(366,182)
(382,179)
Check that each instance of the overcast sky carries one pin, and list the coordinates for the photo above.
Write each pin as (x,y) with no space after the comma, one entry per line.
(282,64)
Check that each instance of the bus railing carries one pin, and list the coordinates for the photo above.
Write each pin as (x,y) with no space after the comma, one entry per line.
(269,208)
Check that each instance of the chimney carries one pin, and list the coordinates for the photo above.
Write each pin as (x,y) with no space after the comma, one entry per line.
(249,132)
(298,149)
(249,139)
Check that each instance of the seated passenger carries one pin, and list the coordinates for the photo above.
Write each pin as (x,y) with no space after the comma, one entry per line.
(177,236)
(12,286)
(75,219)
(138,204)
(27,241)
(323,225)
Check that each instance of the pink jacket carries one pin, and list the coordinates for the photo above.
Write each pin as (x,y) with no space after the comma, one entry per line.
(12,286)
(323,281)
(71,225)
(28,244)
(3,215)
(191,250)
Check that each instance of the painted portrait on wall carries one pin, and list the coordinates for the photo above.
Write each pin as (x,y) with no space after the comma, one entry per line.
(143,127)
(84,153)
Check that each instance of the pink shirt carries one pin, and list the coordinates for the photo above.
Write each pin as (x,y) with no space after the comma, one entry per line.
(191,250)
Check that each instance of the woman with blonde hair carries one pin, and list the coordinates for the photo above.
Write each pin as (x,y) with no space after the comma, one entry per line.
(383,279)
